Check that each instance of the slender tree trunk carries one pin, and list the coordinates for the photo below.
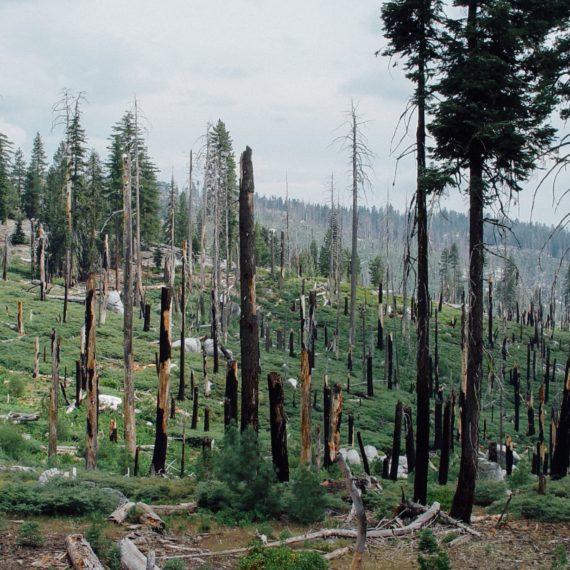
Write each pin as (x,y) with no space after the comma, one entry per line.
(129,385)
(422,286)
(36,372)
(182,376)
(249,330)
(158,464)
(92,378)
(354,250)
(232,393)
(53,395)
(333,445)
(305,394)
(396,440)
(42,261)
(463,500)
(560,457)
(278,423)
(190,235)
(327,399)
(106,268)
(446,442)
(20,318)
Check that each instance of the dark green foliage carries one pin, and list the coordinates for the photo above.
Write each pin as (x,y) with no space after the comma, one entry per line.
(306,503)
(244,482)
(58,497)
(438,562)
(5,182)
(29,534)
(376,271)
(17,386)
(174,564)
(427,542)
(487,492)
(12,444)
(282,558)
(560,557)
(18,237)
(157,257)
(36,178)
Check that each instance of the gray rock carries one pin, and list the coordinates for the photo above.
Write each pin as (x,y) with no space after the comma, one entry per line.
(490,471)
(55,472)
(191,345)
(114,302)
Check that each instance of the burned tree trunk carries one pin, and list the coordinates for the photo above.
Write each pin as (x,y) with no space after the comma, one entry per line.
(305,408)
(327,399)
(161,441)
(560,457)
(194,423)
(92,378)
(278,424)
(490,317)
(446,442)
(438,419)
(42,261)
(249,331)
(232,392)
(53,395)
(146,325)
(369,380)
(182,376)
(396,441)
(409,430)
(20,318)
(333,444)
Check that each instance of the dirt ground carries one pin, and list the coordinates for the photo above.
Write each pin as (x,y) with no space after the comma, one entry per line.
(519,544)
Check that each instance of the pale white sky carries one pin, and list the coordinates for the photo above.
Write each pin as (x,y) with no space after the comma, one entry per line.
(281,75)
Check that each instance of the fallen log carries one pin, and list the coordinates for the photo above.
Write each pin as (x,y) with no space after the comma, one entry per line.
(120,514)
(425,519)
(81,554)
(20,417)
(150,518)
(132,558)
(172,509)
(416,507)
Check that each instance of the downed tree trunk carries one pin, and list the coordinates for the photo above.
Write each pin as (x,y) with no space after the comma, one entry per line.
(132,558)
(149,517)
(119,515)
(81,554)
(171,509)
(425,519)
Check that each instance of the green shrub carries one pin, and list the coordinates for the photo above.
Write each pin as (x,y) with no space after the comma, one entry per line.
(282,558)
(440,561)
(487,492)
(428,542)
(306,503)
(450,536)
(17,386)
(58,497)
(29,534)
(13,445)
(174,564)
(521,475)
(560,560)
(107,551)
(244,483)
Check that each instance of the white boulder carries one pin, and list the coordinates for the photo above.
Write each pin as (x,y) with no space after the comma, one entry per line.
(114,302)
(190,345)
(107,402)
(55,472)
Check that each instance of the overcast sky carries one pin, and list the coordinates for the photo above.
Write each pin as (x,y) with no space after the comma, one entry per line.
(281,75)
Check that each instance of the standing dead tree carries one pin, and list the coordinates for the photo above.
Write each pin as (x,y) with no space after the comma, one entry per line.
(42,260)
(129,385)
(249,329)
(158,464)
(278,422)
(53,395)
(355,143)
(182,376)
(305,408)
(92,378)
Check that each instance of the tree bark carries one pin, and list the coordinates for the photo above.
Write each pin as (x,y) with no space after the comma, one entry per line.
(333,445)
(182,376)
(53,395)
(560,457)
(92,378)
(249,331)
(305,394)
(36,372)
(129,385)
(42,261)
(232,392)
(105,270)
(278,423)
(161,440)
(81,554)
(446,442)
(396,441)
(463,500)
